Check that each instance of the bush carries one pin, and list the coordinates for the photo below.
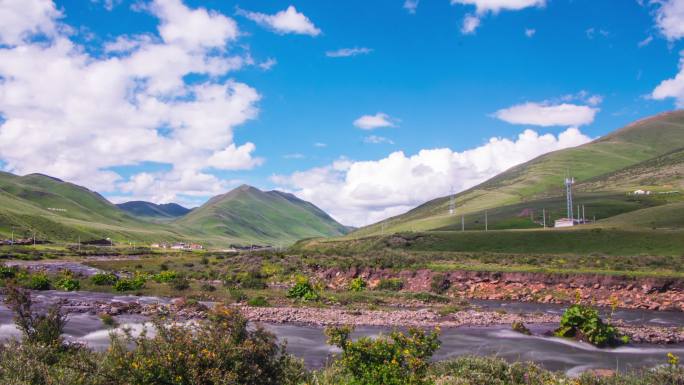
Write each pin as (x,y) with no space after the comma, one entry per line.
(38,281)
(520,328)
(246,280)
(104,279)
(68,284)
(45,328)
(180,283)
(237,295)
(258,302)
(108,320)
(585,324)
(129,284)
(357,284)
(303,290)
(392,284)
(394,360)
(7,272)
(219,350)
(207,287)
(165,276)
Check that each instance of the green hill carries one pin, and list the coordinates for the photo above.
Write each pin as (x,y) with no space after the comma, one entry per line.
(247,214)
(152,211)
(649,151)
(61,211)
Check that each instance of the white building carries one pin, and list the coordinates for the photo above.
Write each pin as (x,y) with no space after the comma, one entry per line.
(565,222)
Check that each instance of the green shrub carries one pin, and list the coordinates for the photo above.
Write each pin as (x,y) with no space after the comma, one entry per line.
(180,283)
(357,284)
(396,359)
(303,290)
(7,272)
(129,284)
(520,328)
(246,280)
(68,284)
(38,281)
(207,287)
(45,328)
(584,323)
(391,284)
(237,295)
(258,302)
(165,276)
(108,320)
(430,297)
(104,279)
(218,350)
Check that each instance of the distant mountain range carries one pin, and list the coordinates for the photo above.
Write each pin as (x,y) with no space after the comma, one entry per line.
(60,211)
(149,210)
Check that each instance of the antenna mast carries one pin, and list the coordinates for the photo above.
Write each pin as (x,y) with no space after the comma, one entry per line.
(569,181)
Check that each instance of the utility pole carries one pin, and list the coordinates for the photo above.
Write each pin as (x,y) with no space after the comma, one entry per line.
(486,221)
(79,243)
(12,236)
(584,218)
(544,217)
(34,238)
(462,223)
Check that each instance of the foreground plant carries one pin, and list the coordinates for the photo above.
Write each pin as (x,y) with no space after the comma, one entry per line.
(584,323)
(397,359)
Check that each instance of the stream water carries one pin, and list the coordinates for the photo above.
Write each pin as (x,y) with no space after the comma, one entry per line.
(308,342)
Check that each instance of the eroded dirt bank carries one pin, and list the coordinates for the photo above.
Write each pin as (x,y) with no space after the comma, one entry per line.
(602,290)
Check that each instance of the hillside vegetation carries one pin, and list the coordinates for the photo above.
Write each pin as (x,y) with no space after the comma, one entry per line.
(249,214)
(646,154)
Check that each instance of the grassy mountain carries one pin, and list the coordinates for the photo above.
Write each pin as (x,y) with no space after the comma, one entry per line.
(247,214)
(152,211)
(644,154)
(58,210)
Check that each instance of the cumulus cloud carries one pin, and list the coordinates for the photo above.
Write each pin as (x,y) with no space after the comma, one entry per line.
(411,6)
(482,7)
(669,17)
(268,64)
(371,122)
(284,22)
(672,88)
(363,192)
(87,116)
(547,115)
(20,19)
(529,32)
(347,52)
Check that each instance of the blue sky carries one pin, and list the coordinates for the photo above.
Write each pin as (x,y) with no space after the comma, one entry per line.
(433,83)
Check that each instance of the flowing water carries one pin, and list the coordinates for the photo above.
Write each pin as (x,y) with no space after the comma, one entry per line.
(308,342)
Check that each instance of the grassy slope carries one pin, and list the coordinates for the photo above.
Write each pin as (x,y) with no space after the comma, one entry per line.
(542,177)
(24,204)
(247,214)
(153,212)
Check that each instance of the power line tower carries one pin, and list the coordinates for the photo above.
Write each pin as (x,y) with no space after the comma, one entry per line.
(569,181)
(452,202)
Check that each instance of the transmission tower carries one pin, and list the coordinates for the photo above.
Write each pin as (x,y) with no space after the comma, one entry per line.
(569,181)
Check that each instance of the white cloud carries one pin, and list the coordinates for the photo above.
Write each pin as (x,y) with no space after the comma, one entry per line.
(294,156)
(482,7)
(470,24)
(672,88)
(529,32)
(362,192)
(669,17)
(375,139)
(645,42)
(320,145)
(346,52)
(371,122)
(268,64)
(86,116)
(547,115)
(22,18)
(411,6)
(283,22)
(591,32)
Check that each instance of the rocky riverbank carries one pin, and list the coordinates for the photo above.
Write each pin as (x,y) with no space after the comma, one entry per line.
(601,290)
(182,309)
